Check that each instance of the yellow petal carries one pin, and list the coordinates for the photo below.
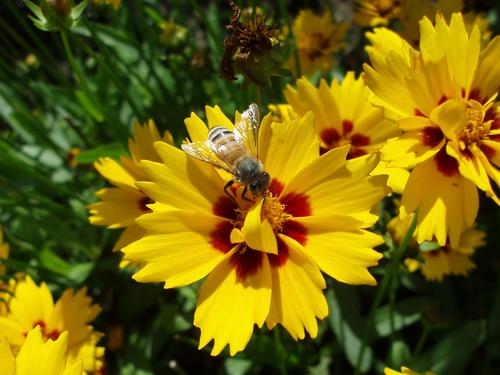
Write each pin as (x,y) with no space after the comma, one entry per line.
(181,249)
(181,181)
(129,235)
(141,146)
(118,207)
(293,145)
(115,173)
(7,360)
(216,117)
(397,176)
(257,232)
(488,72)
(447,206)
(297,296)
(228,306)
(344,255)
(197,130)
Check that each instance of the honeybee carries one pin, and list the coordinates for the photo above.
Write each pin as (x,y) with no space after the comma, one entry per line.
(235,151)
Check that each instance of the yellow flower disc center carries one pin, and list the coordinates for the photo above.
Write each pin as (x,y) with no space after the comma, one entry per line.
(274,211)
(476,129)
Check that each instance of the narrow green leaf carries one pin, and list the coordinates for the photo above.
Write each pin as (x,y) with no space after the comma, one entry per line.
(90,107)
(112,150)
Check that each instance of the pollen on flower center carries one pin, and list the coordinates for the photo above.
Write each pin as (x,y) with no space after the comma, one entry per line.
(476,128)
(274,211)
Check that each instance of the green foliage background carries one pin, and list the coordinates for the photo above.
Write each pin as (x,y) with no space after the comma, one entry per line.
(87,87)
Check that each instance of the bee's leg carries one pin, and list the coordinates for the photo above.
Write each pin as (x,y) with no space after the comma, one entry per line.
(228,192)
(243,195)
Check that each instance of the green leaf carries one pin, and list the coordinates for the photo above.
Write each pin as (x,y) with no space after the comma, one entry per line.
(347,324)
(399,353)
(322,368)
(112,150)
(237,366)
(51,261)
(452,353)
(429,246)
(89,106)
(405,313)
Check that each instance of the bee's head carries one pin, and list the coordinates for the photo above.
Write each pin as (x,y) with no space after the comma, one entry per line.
(260,184)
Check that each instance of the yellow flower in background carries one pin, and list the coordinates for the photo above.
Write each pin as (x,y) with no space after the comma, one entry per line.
(343,114)
(435,261)
(38,356)
(116,3)
(262,258)
(122,204)
(4,252)
(31,306)
(282,112)
(4,287)
(317,38)
(405,371)
(415,10)
(443,100)
(377,12)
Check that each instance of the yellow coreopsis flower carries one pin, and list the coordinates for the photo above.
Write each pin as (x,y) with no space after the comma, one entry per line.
(121,205)
(31,306)
(443,98)
(405,371)
(377,12)
(262,258)
(317,38)
(4,251)
(415,10)
(39,356)
(4,287)
(439,261)
(343,114)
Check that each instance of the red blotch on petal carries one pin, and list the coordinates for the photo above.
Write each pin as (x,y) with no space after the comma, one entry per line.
(442,99)
(220,236)
(54,335)
(225,207)
(445,163)
(295,230)
(40,323)
(475,94)
(355,153)
(275,187)
(347,126)
(418,113)
(247,263)
(330,137)
(282,256)
(142,203)
(431,136)
(488,151)
(296,204)
(360,140)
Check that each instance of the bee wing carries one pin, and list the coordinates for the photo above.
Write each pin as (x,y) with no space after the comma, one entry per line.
(202,151)
(246,130)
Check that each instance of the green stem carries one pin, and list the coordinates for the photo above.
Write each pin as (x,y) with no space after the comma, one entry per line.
(281,352)
(104,60)
(391,272)
(80,78)
(422,339)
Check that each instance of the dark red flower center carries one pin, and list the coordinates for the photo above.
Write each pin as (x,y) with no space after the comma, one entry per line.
(53,334)
(332,138)
(279,211)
